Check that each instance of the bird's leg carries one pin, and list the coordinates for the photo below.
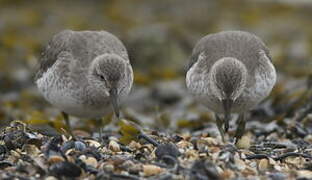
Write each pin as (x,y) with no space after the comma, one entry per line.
(240,127)
(100,130)
(107,124)
(115,120)
(219,125)
(66,118)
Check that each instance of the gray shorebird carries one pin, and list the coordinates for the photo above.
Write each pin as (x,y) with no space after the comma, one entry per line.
(230,72)
(84,73)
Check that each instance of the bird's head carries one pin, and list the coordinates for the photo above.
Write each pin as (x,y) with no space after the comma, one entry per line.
(108,75)
(228,77)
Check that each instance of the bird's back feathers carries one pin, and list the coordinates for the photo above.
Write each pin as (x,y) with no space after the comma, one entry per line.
(83,46)
(243,46)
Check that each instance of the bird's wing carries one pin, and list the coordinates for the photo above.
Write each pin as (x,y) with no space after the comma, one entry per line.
(195,53)
(57,45)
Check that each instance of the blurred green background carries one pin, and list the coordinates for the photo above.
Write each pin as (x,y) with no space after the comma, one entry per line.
(159,36)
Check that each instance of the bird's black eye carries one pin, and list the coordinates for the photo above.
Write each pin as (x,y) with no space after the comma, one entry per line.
(102,77)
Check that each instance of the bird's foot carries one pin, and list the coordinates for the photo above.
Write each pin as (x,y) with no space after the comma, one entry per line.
(66,119)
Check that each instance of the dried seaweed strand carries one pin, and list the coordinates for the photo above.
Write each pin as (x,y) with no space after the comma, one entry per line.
(257,156)
(278,158)
(148,139)
(283,156)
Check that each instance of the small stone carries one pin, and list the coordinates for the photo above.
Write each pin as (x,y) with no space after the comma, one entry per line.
(191,154)
(31,150)
(210,141)
(50,178)
(277,167)
(55,159)
(114,146)
(263,164)
(184,144)
(304,174)
(240,164)
(227,174)
(202,145)
(177,138)
(66,169)
(15,153)
(244,142)
(249,171)
(150,170)
(67,145)
(167,150)
(93,143)
(124,173)
(80,146)
(108,167)
(91,161)
(308,138)
(204,168)
(296,161)
(135,169)
(134,145)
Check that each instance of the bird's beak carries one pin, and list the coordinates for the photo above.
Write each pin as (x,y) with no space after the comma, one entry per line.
(227,105)
(114,100)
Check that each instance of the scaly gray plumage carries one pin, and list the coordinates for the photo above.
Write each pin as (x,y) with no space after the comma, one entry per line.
(230,72)
(80,71)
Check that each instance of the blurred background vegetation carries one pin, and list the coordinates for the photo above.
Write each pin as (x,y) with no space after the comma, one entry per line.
(159,36)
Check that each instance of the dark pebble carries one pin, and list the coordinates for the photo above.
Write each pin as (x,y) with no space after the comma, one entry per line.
(92,151)
(168,149)
(204,170)
(65,169)
(177,138)
(67,145)
(80,146)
